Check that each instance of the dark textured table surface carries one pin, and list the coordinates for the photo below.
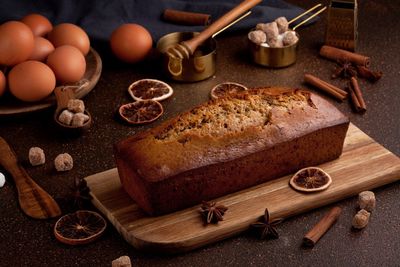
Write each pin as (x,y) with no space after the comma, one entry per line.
(27,242)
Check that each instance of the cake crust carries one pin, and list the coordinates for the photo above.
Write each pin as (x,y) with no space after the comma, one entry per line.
(227,145)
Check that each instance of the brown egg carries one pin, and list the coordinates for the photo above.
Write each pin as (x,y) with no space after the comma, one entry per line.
(131,42)
(42,49)
(39,24)
(68,64)
(70,34)
(2,83)
(31,81)
(16,43)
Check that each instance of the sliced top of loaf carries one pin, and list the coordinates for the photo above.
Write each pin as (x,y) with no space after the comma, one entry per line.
(225,129)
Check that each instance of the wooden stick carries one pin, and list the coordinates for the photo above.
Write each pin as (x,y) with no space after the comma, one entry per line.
(337,54)
(186,18)
(312,237)
(34,201)
(358,93)
(326,87)
(220,23)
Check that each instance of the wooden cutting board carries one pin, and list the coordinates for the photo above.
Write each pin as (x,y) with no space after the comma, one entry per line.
(364,165)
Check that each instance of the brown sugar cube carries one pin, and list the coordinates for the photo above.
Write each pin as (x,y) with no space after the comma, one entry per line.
(289,38)
(66,117)
(257,36)
(361,219)
(367,201)
(36,156)
(63,162)
(123,261)
(275,42)
(79,119)
(282,24)
(270,29)
(76,106)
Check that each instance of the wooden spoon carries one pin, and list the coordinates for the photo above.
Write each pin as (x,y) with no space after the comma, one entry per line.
(63,95)
(34,201)
(187,48)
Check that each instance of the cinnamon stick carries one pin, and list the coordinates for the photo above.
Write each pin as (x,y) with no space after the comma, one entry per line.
(370,75)
(186,18)
(354,99)
(312,237)
(358,93)
(337,54)
(326,87)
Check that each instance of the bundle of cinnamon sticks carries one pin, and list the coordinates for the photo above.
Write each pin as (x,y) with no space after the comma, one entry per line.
(353,88)
(359,63)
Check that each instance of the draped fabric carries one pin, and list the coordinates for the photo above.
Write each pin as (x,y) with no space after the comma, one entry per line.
(100,17)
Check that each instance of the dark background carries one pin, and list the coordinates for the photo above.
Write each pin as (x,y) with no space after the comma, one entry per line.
(27,242)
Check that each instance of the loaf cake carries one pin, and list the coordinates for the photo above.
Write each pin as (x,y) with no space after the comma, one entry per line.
(228,144)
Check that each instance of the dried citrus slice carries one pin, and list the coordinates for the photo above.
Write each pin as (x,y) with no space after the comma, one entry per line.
(79,228)
(175,66)
(141,112)
(150,89)
(310,179)
(223,89)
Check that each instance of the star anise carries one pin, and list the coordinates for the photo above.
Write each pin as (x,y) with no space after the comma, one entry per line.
(266,228)
(211,212)
(80,197)
(345,69)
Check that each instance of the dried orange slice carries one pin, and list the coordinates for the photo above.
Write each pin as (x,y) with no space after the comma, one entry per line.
(311,179)
(81,227)
(150,89)
(141,112)
(223,89)
(175,66)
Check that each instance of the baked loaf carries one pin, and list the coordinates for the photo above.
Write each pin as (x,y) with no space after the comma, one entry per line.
(228,144)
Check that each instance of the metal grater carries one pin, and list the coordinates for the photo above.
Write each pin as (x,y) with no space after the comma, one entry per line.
(342,24)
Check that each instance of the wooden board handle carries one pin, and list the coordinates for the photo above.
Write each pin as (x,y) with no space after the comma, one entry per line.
(34,201)
(244,6)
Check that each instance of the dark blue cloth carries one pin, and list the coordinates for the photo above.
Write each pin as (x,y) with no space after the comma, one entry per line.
(100,17)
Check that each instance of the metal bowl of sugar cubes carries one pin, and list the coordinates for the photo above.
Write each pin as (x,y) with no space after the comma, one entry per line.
(274,44)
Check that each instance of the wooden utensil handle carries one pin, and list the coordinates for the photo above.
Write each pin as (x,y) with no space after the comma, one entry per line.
(9,161)
(21,177)
(34,201)
(63,95)
(193,43)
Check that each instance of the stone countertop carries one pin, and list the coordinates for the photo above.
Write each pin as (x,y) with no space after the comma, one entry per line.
(27,242)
